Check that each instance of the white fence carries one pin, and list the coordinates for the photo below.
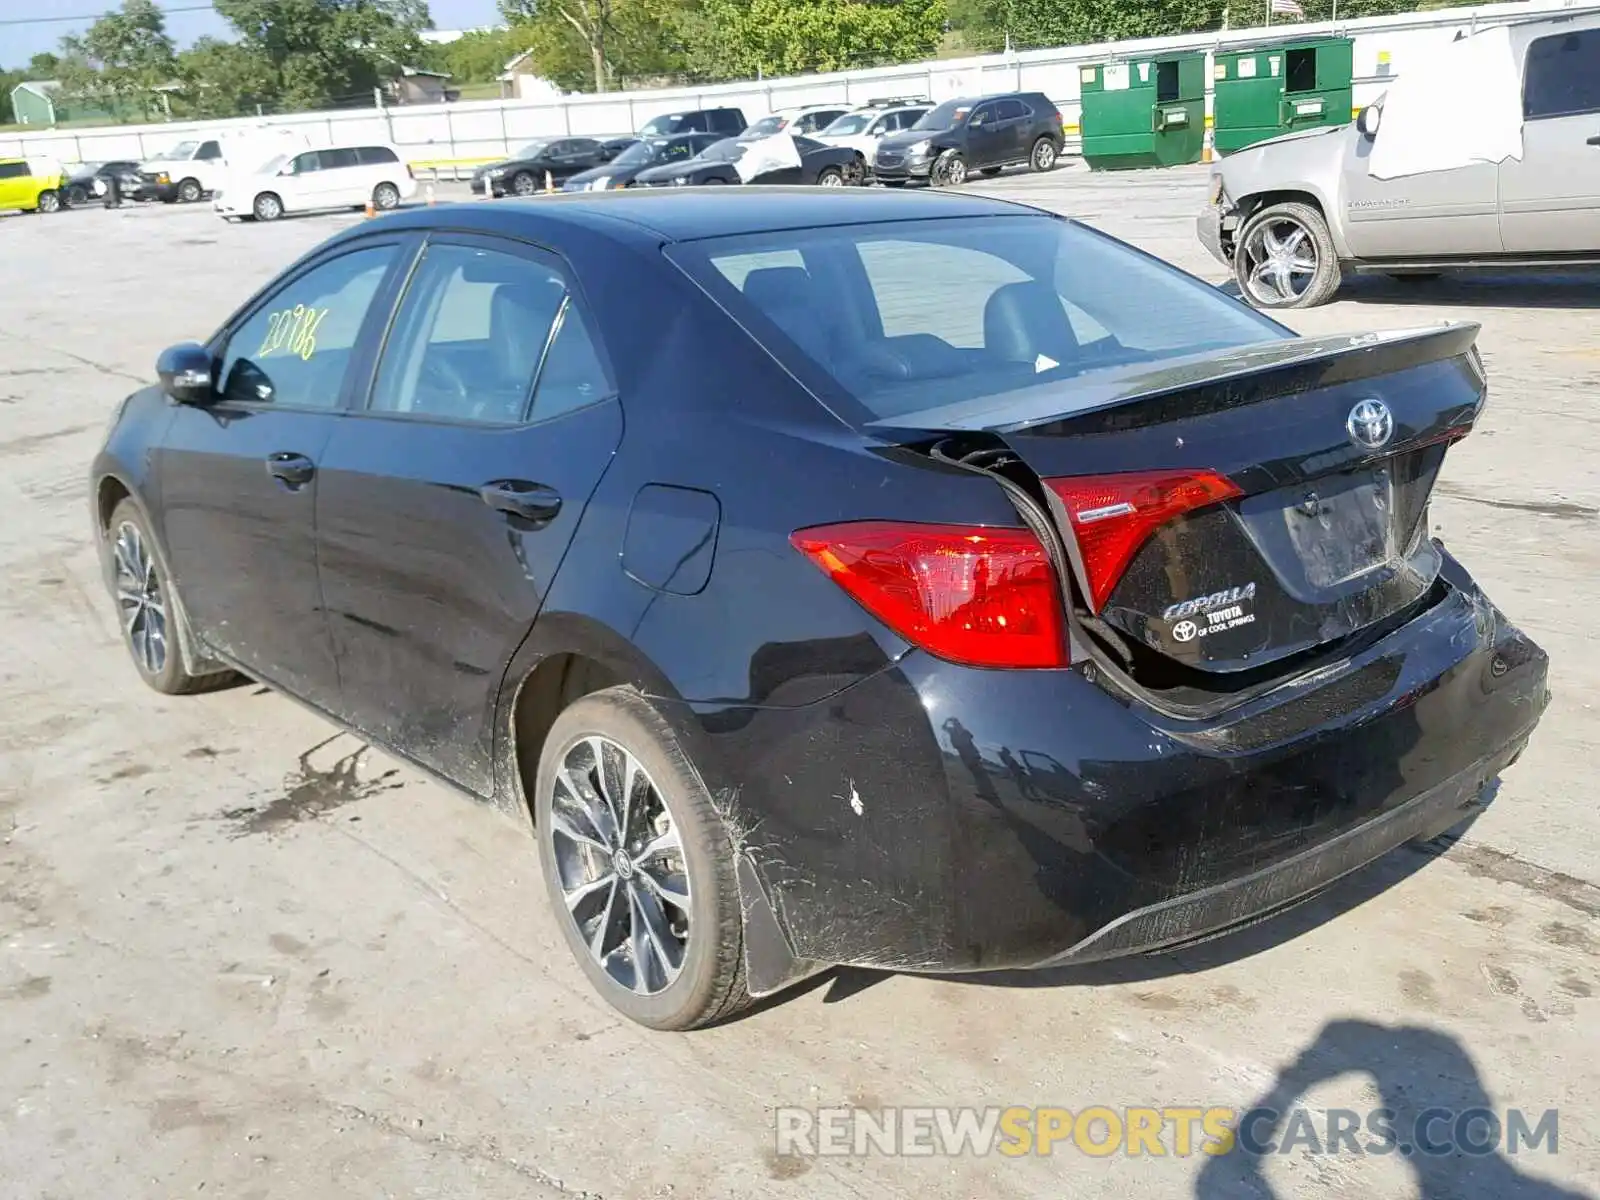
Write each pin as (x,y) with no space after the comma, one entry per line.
(454,137)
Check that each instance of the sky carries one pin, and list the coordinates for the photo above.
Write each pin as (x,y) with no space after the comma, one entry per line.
(30,26)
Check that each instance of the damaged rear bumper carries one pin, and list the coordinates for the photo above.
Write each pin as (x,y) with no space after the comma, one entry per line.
(941,819)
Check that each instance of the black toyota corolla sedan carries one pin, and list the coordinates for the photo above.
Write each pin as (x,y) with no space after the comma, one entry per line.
(813,163)
(919,581)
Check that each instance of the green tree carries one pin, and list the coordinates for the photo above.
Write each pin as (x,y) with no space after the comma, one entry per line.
(224,79)
(479,56)
(590,44)
(120,60)
(780,37)
(43,65)
(9,80)
(321,52)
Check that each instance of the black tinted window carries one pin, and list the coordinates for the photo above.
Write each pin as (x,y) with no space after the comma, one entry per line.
(1563,76)
(985,114)
(209,150)
(571,376)
(294,350)
(13,170)
(1011,109)
(335,159)
(303,163)
(946,311)
(372,156)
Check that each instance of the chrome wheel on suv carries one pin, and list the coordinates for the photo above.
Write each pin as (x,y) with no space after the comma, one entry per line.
(1285,258)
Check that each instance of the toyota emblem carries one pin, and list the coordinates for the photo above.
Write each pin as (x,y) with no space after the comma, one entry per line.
(1370,424)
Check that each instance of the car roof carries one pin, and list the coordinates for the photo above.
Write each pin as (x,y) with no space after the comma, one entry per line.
(673,215)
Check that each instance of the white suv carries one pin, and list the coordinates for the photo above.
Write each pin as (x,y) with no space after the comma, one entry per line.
(802,121)
(332,177)
(863,128)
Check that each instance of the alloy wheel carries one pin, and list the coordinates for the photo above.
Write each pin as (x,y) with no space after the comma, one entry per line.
(620,866)
(1280,260)
(954,172)
(188,191)
(49,202)
(268,208)
(1044,155)
(385,196)
(523,184)
(140,599)
(831,179)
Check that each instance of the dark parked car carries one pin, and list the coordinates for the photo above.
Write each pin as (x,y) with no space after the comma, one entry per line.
(726,121)
(81,186)
(915,581)
(560,159)
(986,134)
(828,166)
(643,154)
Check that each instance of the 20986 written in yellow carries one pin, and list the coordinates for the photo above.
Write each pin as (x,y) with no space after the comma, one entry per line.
(292,331)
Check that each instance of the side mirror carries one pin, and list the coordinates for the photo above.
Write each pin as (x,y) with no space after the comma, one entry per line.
(1369,119)
(186,373)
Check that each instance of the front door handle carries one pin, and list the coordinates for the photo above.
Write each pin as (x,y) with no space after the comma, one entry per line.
(520,498)
(292,470)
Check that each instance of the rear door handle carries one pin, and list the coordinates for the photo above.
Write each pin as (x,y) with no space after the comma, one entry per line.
(292,470)
(520,498)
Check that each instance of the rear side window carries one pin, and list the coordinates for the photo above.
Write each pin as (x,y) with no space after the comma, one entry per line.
(333,160)
(1012,109)
(918,314)
(480,332)
(374,156)
(1563,75)
(13,170)
(293,351)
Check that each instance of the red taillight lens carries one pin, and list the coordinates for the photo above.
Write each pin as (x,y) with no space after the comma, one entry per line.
(1114,515)
(1060,120)
(982,597)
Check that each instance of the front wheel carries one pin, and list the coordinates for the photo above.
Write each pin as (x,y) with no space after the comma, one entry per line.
(1285,258)
(524,184)
(638,865)
(830,177)
(189,191)
(1044,155)
(267,207)
(385,197)
(950,170)
(148,609)
(49,201)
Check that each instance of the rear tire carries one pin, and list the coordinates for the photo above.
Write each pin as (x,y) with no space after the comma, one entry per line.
(49,201)
(149,611)
(1285,258)
(385,197)
(1044,155)
(668,808)
(830,177)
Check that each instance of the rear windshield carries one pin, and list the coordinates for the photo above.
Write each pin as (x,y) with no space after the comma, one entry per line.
(919,314)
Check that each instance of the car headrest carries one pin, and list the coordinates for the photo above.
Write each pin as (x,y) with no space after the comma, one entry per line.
(789,297)
(1024,320)
(520,316)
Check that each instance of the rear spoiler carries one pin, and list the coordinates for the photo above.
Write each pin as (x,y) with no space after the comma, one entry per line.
(1131,397)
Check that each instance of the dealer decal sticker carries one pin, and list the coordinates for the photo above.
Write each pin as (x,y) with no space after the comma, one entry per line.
(1206,615)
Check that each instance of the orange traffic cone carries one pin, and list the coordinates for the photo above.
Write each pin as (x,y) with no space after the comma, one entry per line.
(371,210)
(549,184)
(430,195)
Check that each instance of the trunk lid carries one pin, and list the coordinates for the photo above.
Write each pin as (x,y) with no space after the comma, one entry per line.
(1230,509)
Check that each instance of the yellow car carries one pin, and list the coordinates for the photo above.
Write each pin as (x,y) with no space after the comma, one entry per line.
(30,188)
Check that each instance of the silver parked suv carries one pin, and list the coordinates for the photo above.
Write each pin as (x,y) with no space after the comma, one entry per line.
(1493,160)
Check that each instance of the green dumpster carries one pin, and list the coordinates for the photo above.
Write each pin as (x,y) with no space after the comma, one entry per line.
(1278,88)
(1143,112)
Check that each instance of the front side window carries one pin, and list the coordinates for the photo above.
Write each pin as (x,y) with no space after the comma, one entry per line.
(923,313)
(472,334)
(209,150)
(302,164)
(294,350)
(850,123)
(1563,76)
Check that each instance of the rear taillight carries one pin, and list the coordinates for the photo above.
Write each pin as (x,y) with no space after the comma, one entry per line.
(1114,515)
(1060,120)
(977,596)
